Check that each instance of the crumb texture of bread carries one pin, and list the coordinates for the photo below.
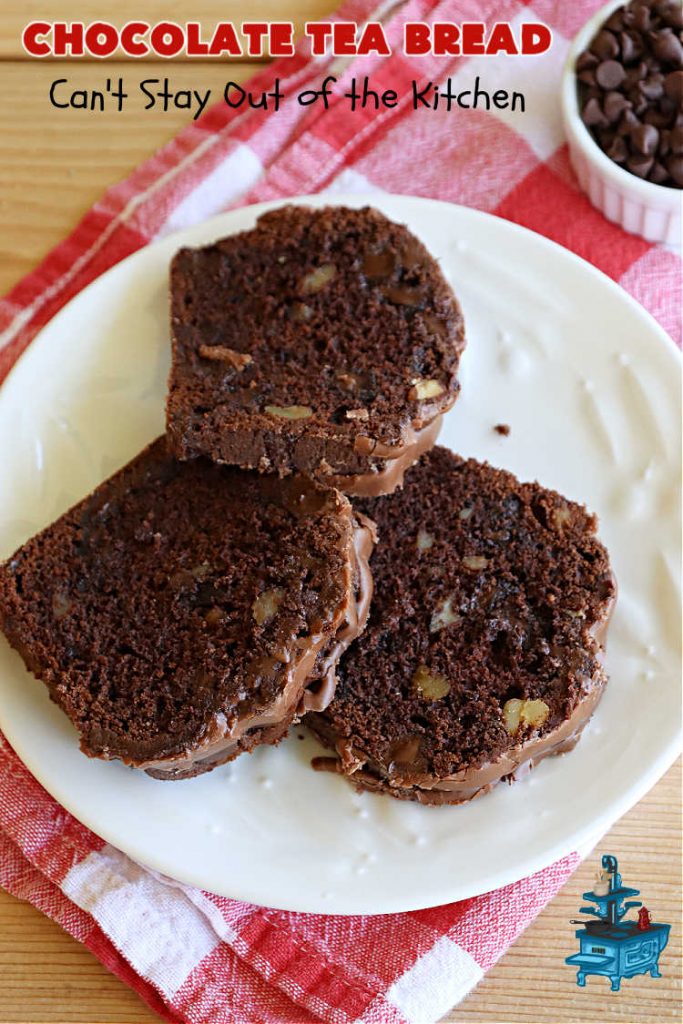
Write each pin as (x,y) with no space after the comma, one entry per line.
(320,341)
(174,598)
(485,634)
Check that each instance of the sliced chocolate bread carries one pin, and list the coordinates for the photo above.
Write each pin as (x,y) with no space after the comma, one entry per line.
(178,613)
(482,653)
(324,341)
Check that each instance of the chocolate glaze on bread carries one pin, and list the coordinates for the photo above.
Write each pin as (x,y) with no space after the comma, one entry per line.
(179,612)
(482,653)
(324,341)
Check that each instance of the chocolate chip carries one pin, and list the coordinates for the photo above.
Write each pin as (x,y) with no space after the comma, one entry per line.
(606,136)
(673,86)
(615,22)
(592,92)
(586,61)
(658,174)
(641,17)
(674,165)
(609,74)
(614,106)
(673,16)
(664,143)
(628,121)
(638,102)
(631,47)
(645,138)
(666,47)
(656,117)
(592,114)
(640,165)
(653,87)
(378,265)
(676,140)
(635,75)
(618,150)
(605,46)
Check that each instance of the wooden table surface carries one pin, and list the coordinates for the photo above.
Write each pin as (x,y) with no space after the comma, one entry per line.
(54,165)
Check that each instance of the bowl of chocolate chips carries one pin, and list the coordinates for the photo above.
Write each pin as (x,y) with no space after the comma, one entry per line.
(622,101)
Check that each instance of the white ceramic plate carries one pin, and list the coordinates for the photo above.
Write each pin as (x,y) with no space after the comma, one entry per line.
(590,387)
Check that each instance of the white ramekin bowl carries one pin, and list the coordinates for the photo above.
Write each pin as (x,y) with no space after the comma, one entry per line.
(641,207)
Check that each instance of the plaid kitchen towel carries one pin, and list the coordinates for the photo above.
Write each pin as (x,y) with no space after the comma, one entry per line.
(193,956)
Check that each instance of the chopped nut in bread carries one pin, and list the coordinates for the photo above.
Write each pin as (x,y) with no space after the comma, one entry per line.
(222,354)
(289,412)
(317,279)
(517,713)
(430,685)
(444,616)
(422,389)
(266,605)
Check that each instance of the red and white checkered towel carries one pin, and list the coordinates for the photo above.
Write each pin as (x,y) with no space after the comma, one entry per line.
(193,956)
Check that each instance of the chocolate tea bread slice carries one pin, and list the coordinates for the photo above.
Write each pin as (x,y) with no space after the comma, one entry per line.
(324,341)
(179,613)
(482,653)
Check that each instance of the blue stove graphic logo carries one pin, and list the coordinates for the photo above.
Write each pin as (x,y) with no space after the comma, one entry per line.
(609,945)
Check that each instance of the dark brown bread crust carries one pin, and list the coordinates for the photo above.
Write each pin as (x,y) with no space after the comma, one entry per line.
(487,591)
(178,612)
(338,317)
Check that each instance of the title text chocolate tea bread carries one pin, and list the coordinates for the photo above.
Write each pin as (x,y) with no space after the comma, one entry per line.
(179,612)
(323,341)
(482,653)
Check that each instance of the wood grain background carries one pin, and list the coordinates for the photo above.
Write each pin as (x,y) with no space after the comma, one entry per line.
(53,166)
